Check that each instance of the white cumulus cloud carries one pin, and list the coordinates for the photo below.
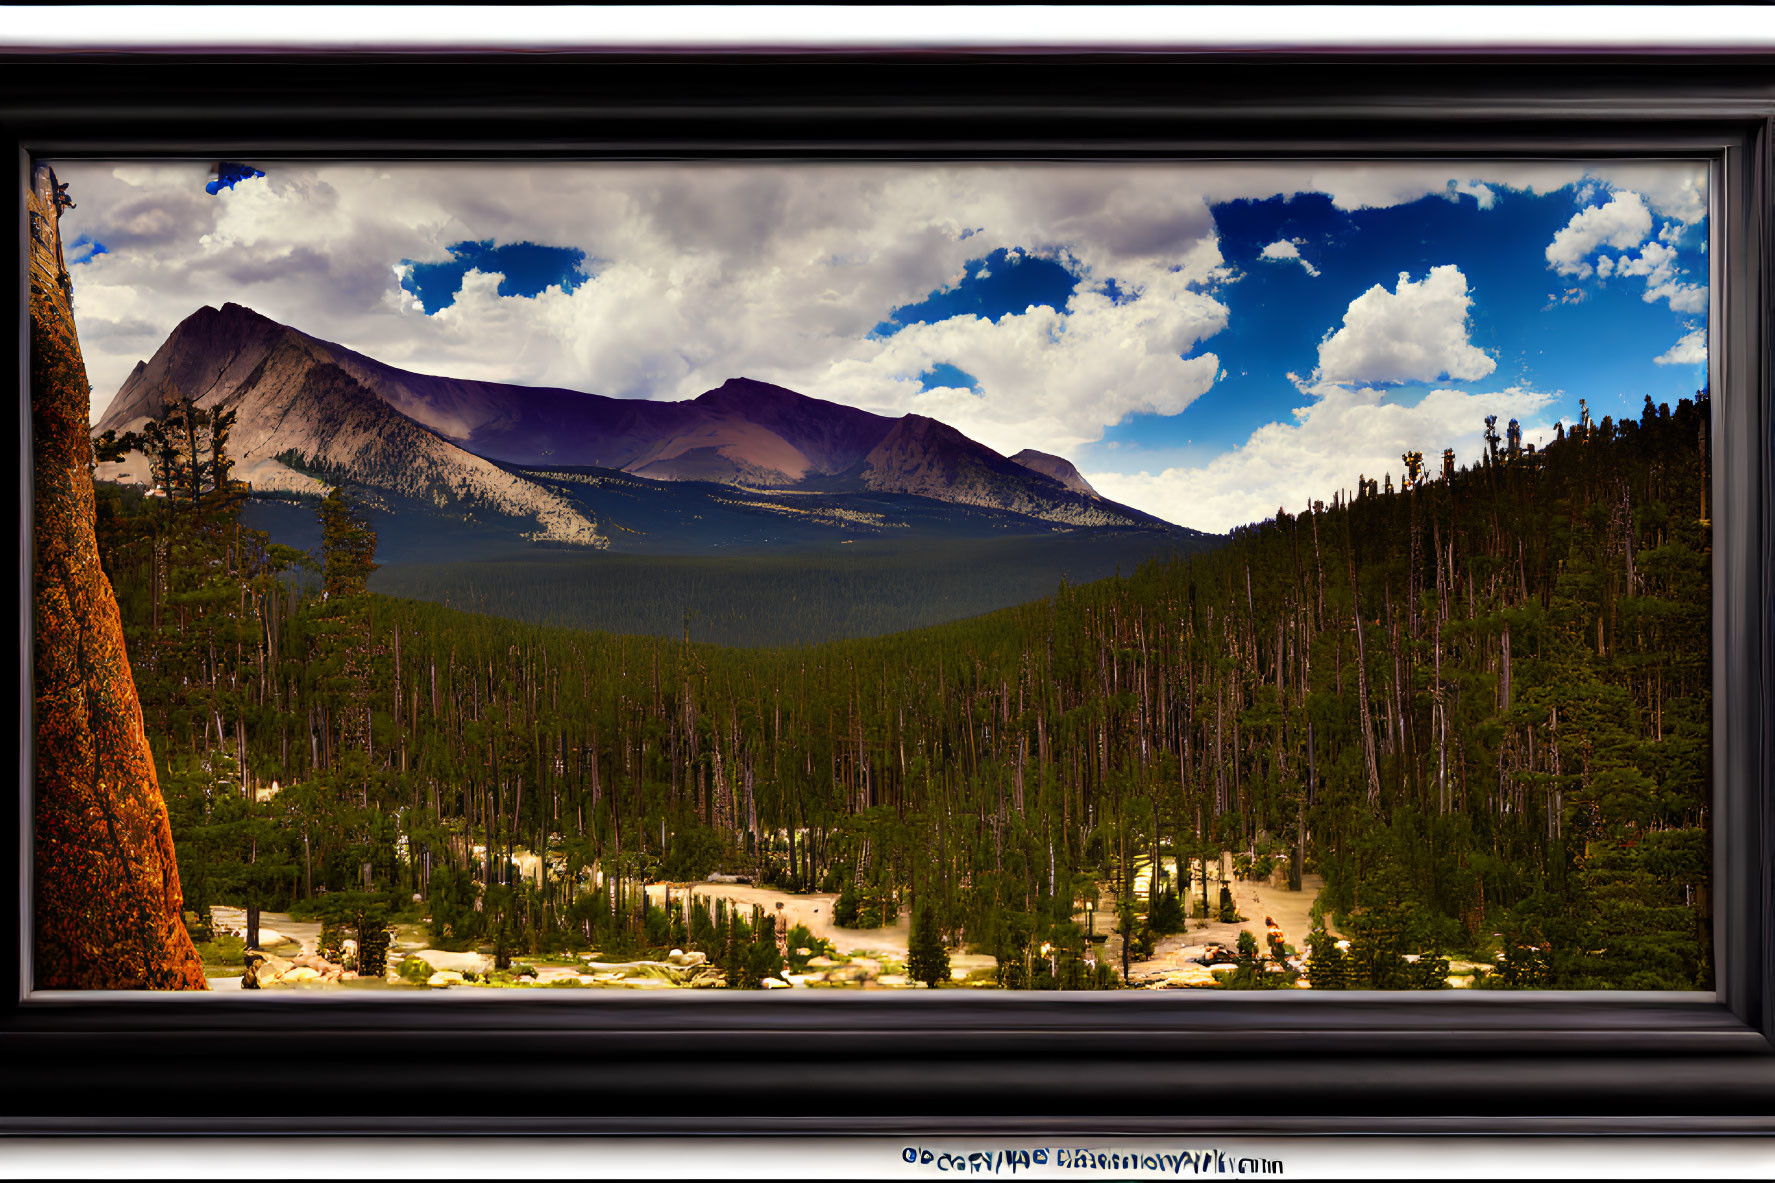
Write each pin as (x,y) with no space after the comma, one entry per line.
(1344,433)
(1416,333)
(1690,350)
(1283,250)
(1621,222)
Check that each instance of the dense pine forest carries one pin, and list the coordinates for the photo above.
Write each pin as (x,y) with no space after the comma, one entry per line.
(786,597)
(1477,704)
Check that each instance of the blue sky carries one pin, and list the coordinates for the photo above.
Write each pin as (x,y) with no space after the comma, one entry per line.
(1545,331)
(1208,343)
(525,269)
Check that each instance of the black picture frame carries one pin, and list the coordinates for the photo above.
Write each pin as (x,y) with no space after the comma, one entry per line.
(963,1062)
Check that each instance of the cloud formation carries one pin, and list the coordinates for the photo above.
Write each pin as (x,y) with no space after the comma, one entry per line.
(1284,250)
(1417,333)
(704,273)
(1342,434)
(1623,221)
(1690,349)
(701,272)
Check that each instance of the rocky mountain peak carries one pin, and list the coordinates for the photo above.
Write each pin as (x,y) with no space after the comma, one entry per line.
(1056,467)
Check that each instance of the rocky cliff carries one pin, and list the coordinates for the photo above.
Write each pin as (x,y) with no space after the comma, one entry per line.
(106,902)
(1056,467)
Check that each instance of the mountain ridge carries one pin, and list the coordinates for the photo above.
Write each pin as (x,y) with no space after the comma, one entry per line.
(458,445)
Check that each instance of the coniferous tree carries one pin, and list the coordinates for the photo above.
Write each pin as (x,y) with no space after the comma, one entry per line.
(1325,962)
(1480,702)
(927,959)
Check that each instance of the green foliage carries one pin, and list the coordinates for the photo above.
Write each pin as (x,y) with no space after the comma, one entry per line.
(223,951)
(801,938)
(1479,705)
(1326,966)
(927,959)
(1376,958)
(693,851)
(455,921)
(1167,915)
(762,958)
(868,588)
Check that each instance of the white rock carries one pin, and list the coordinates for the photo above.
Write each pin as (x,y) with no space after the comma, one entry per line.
(438,959)
(444,977)
(774,984)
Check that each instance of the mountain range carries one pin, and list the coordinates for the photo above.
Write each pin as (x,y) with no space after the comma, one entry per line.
(746,461)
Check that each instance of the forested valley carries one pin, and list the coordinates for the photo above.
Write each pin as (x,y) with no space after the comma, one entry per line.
(1477,704)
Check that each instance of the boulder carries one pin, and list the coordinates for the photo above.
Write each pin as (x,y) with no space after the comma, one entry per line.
(774,984)
(1189,974)
(438,959)
(266,969)
(263,969)
(445,977)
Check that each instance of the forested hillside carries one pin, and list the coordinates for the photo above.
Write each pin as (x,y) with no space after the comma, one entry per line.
(1478,705)
(787,597)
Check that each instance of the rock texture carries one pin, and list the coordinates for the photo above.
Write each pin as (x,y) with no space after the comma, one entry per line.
(290,394)
(931,459)
(106,903)
(1057,467)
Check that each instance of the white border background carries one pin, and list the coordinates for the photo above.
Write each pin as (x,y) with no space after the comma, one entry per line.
(874,1158)
(1562,29)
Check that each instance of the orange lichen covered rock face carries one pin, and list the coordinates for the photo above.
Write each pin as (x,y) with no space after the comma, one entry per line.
(106,900)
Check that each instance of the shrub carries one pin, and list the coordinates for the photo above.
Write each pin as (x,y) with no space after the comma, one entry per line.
(223,950)
(928,960)
(801,938)
(845,909)
(692,852)
(1167,915)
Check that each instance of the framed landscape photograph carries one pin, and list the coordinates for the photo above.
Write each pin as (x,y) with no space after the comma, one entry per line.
(1128,594)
